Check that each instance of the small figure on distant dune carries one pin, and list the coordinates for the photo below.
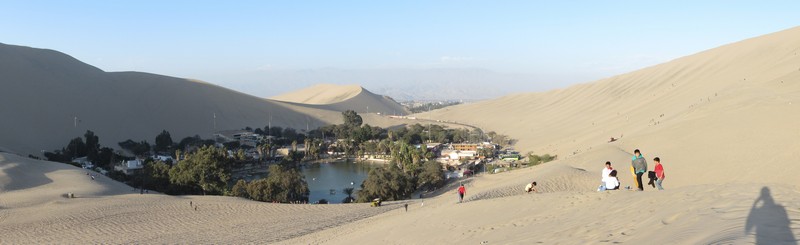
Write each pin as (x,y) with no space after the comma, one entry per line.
(531,187)
(461,192)
(190,203)
(406,205)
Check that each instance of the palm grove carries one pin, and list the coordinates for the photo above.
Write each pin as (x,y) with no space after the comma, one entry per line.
(204,168)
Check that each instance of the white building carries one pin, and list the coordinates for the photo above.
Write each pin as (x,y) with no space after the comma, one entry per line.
(164,158)
(130,167)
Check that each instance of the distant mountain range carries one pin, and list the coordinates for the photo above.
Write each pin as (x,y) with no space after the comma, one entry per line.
(455,84)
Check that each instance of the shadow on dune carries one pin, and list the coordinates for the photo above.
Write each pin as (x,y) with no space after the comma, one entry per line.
(20,178)
(769,220)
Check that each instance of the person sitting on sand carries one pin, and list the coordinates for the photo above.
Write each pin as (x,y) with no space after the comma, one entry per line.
(606,170)
(612,182)
(531,187)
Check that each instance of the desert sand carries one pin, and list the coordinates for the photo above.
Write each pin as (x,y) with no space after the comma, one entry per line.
(343,97)
(33,210)
(723,121)
(48,98)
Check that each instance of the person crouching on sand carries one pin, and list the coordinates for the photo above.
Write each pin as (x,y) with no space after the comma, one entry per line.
(531,187)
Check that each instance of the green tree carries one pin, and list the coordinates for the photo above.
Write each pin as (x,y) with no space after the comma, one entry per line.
(307,143)
(352,119)
(76,148)
(240,189)
(207,169)
(261,190)
(163,142)
(92,146)
(284,184)
(155,176)
(388,183)
(432,175)
(349,192)
(241,156)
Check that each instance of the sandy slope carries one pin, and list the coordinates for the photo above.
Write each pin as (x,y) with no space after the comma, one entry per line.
(34,210)
(726,114)
(321,94)
(343,97)
(728,138)
(44,90)
(724,121)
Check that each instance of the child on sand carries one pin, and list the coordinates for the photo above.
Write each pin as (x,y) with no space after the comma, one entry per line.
(659,173)
(604,174)
(461,192)
(530,187)
(612,182)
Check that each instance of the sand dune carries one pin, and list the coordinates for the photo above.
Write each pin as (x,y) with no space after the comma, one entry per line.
(726,114)
(44,91)
(321,94)
(34,210)
(724,121)
(343,97)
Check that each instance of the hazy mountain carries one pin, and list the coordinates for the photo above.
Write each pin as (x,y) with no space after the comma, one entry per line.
(400,84)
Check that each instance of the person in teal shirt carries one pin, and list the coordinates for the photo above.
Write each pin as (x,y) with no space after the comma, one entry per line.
(639,166)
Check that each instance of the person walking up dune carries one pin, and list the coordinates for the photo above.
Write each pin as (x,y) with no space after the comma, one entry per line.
(638,168)
(461,192)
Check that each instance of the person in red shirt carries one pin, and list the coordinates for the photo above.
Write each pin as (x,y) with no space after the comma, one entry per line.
(659,173)
(461,192)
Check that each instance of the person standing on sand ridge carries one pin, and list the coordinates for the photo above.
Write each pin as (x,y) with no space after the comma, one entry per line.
(659,169)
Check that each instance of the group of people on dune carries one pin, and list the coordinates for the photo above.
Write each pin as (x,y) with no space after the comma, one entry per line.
(610,181)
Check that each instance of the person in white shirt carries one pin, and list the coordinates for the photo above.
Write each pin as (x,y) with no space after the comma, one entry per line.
(531,187)
(612,182)
(606,171)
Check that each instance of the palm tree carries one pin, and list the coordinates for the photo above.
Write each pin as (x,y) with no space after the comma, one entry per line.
(349,192)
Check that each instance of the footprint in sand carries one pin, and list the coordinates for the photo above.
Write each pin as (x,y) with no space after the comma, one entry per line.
(670,219)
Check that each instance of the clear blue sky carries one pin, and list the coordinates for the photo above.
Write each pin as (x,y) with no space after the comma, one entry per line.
(212,39)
